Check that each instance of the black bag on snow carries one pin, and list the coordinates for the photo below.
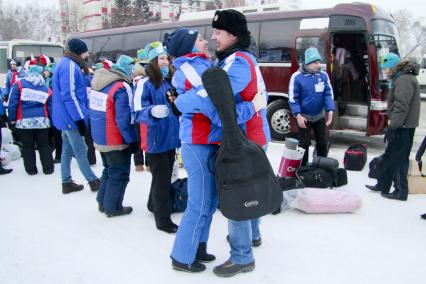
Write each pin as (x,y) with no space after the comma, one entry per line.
(179,195)
(341,178)
(374,167)
(312,176)
(355,157)
(326,163)
(290,183)
(245,180)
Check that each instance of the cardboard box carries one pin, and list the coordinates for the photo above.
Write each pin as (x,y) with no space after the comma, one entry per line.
(416,183)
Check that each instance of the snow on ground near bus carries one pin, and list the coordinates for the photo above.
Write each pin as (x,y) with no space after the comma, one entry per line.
(47,237)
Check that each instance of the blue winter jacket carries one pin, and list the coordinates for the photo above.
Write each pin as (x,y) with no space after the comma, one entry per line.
(28,101)
(110,115)
(310,93)
(2,110)
(158,135)
(200,123)
(8,86)
(70,102)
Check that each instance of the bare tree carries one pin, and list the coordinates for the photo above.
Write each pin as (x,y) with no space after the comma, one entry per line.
(412,33)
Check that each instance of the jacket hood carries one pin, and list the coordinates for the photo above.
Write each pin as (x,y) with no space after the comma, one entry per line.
(104,77)
(407,66)
(192,57)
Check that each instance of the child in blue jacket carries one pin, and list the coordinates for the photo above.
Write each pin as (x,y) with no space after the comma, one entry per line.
(159,134)
(30,110)
(113,133)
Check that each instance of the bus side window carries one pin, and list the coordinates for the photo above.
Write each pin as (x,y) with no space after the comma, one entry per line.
(303,43)
(3,60)
(110,47)
(275,40)
(135,41)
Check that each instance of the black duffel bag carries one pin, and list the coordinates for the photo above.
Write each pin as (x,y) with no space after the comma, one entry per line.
(375,167)
(312,176)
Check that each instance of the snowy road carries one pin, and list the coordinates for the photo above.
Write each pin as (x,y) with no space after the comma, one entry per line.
(47,237)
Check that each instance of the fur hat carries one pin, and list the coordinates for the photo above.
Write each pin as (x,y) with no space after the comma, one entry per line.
(233,22)
(181,41)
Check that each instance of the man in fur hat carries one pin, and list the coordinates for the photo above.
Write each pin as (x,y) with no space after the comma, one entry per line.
(232,50)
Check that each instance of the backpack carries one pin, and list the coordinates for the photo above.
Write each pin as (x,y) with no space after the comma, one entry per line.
(374,167)
(355,157)
(179,195)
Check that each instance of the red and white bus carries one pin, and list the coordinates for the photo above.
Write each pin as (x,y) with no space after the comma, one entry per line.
(350,37)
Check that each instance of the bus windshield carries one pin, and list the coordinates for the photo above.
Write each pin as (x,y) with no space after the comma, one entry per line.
(21,52)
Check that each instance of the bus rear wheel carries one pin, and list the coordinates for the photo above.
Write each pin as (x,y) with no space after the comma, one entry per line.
(279,119)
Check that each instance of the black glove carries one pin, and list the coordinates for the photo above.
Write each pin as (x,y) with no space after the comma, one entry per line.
(390,135)
(81,127)
(173,93)
(134,147)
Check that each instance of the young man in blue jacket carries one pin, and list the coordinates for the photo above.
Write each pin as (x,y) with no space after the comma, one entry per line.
(71,115)
(312,103)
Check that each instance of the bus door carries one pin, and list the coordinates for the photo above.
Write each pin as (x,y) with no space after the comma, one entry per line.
(3,66)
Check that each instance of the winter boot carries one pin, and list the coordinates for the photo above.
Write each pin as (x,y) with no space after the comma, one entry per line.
(193,268)
(124,211)
(423,216)
(101,208)
(257,243)
(394,195)
(4,171)
(94,185)
(202,255)
(229,269)
(69,187)
(373,187)
(170,228)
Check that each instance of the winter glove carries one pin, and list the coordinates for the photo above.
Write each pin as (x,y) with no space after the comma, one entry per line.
(134,147)
(390,135)
(259,101)
(81,127)
(160,111)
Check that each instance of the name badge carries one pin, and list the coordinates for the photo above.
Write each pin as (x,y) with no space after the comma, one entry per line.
(319,87)
(30,95)
(98,101)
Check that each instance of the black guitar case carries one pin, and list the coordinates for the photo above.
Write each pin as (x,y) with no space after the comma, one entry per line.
(247,185)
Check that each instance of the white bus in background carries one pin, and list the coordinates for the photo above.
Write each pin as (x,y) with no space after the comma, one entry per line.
(20,49)
(422,74)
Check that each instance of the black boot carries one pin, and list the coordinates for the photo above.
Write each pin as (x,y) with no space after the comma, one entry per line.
(69,187)
(193,268)
(372,187)
(101,208)
(124,211)
(94,185)
(229,269)
(4,171)
(423,216)
(394,195)
(170,228)
(202,255)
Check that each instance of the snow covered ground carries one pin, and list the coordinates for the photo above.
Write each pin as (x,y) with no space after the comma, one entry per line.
(47,237)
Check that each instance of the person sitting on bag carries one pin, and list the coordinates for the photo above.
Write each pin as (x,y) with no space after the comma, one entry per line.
(403,113)
(30,110)
(159,134)
(113,133)
(311,102)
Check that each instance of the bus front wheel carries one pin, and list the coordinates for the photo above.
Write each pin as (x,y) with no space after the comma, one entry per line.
(279,119)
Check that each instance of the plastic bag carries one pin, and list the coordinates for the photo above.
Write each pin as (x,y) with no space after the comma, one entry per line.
(13,151)
(4,158)
(320,201)
(6,136)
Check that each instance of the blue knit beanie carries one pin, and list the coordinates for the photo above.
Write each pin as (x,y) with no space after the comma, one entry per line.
(311,55)
(124,64)
(181,41)
(390,60)
(153,50)
(77,46)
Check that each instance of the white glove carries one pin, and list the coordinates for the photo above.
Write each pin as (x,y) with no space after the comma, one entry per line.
(259,101)
(160,111)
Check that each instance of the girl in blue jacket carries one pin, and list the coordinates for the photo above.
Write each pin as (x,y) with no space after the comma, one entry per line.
(159,134)
(30,109)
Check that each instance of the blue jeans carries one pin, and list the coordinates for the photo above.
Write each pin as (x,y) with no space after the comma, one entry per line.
(114,180)
(195,224)
(73,145)
(241,235)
